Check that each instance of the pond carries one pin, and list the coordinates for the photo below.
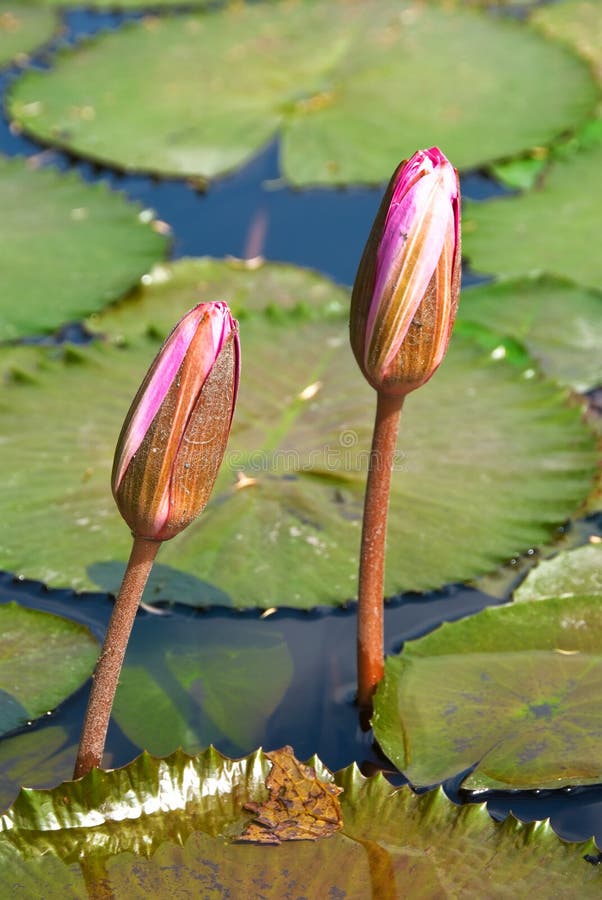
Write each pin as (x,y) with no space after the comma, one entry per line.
(265,654)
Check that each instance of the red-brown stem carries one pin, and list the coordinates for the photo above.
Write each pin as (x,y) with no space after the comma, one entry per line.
(370,629)
(108,667)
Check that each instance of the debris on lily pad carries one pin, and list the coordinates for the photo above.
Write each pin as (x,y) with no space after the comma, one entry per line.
(301,806)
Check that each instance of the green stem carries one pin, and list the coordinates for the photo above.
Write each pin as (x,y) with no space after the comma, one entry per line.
(370,629)
(108,667)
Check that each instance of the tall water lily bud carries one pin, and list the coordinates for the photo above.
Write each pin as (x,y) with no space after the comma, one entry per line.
(407,285)
(175,434)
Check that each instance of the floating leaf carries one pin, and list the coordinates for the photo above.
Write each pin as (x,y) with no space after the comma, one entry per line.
(202,683)
(578,23)
(300,807)
(537,665)
(23,27)
(332,78)
(68,248)
(283,526)
(43,659)
(157,827)
(551,229)
(558,322)
(572,573)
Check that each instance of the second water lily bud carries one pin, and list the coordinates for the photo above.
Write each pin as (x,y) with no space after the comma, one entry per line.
(407,286)
(175,434)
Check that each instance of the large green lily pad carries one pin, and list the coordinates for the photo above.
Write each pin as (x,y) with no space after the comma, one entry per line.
(165,828)
(43,659)
(513,693)
(68,248)
(558,322)
(573,573)
(193,682)
(283,526)
(23,27)
(552,229)
(200,95)
(579,23)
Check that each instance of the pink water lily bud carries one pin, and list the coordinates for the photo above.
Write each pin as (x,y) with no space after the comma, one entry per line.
(407,285)
(175,433)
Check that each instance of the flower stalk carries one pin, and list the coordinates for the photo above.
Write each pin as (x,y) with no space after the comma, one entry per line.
(403,307)
(370,626)
(106,675)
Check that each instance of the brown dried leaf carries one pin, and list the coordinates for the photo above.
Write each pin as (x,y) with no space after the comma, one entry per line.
(301,807)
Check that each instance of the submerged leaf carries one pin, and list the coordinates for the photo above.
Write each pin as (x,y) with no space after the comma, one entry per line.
(43,659)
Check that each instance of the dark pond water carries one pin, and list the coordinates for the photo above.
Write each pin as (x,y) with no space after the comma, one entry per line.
(324,229)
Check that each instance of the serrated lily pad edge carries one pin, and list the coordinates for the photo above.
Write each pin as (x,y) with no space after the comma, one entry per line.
(98,783)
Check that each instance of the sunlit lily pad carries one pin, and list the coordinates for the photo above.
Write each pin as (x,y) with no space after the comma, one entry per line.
(43,659)
(68,248)
(579,23)
(513,693)
(201,95)
(572,573)
(283,526)
(202,684)
(559,323)
(551,229)
(23,27)
(165,828)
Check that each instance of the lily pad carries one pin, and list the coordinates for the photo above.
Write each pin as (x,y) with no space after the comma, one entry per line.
(283,526)
(551,229)
(165,828)
(23,27)
(172,95)
(537,666)
(43,659)
(192,682)
(572,573)
(559,323)
(578,23)
(68,248)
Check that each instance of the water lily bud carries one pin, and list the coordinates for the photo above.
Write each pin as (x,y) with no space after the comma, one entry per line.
(175,434)
(407,285)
